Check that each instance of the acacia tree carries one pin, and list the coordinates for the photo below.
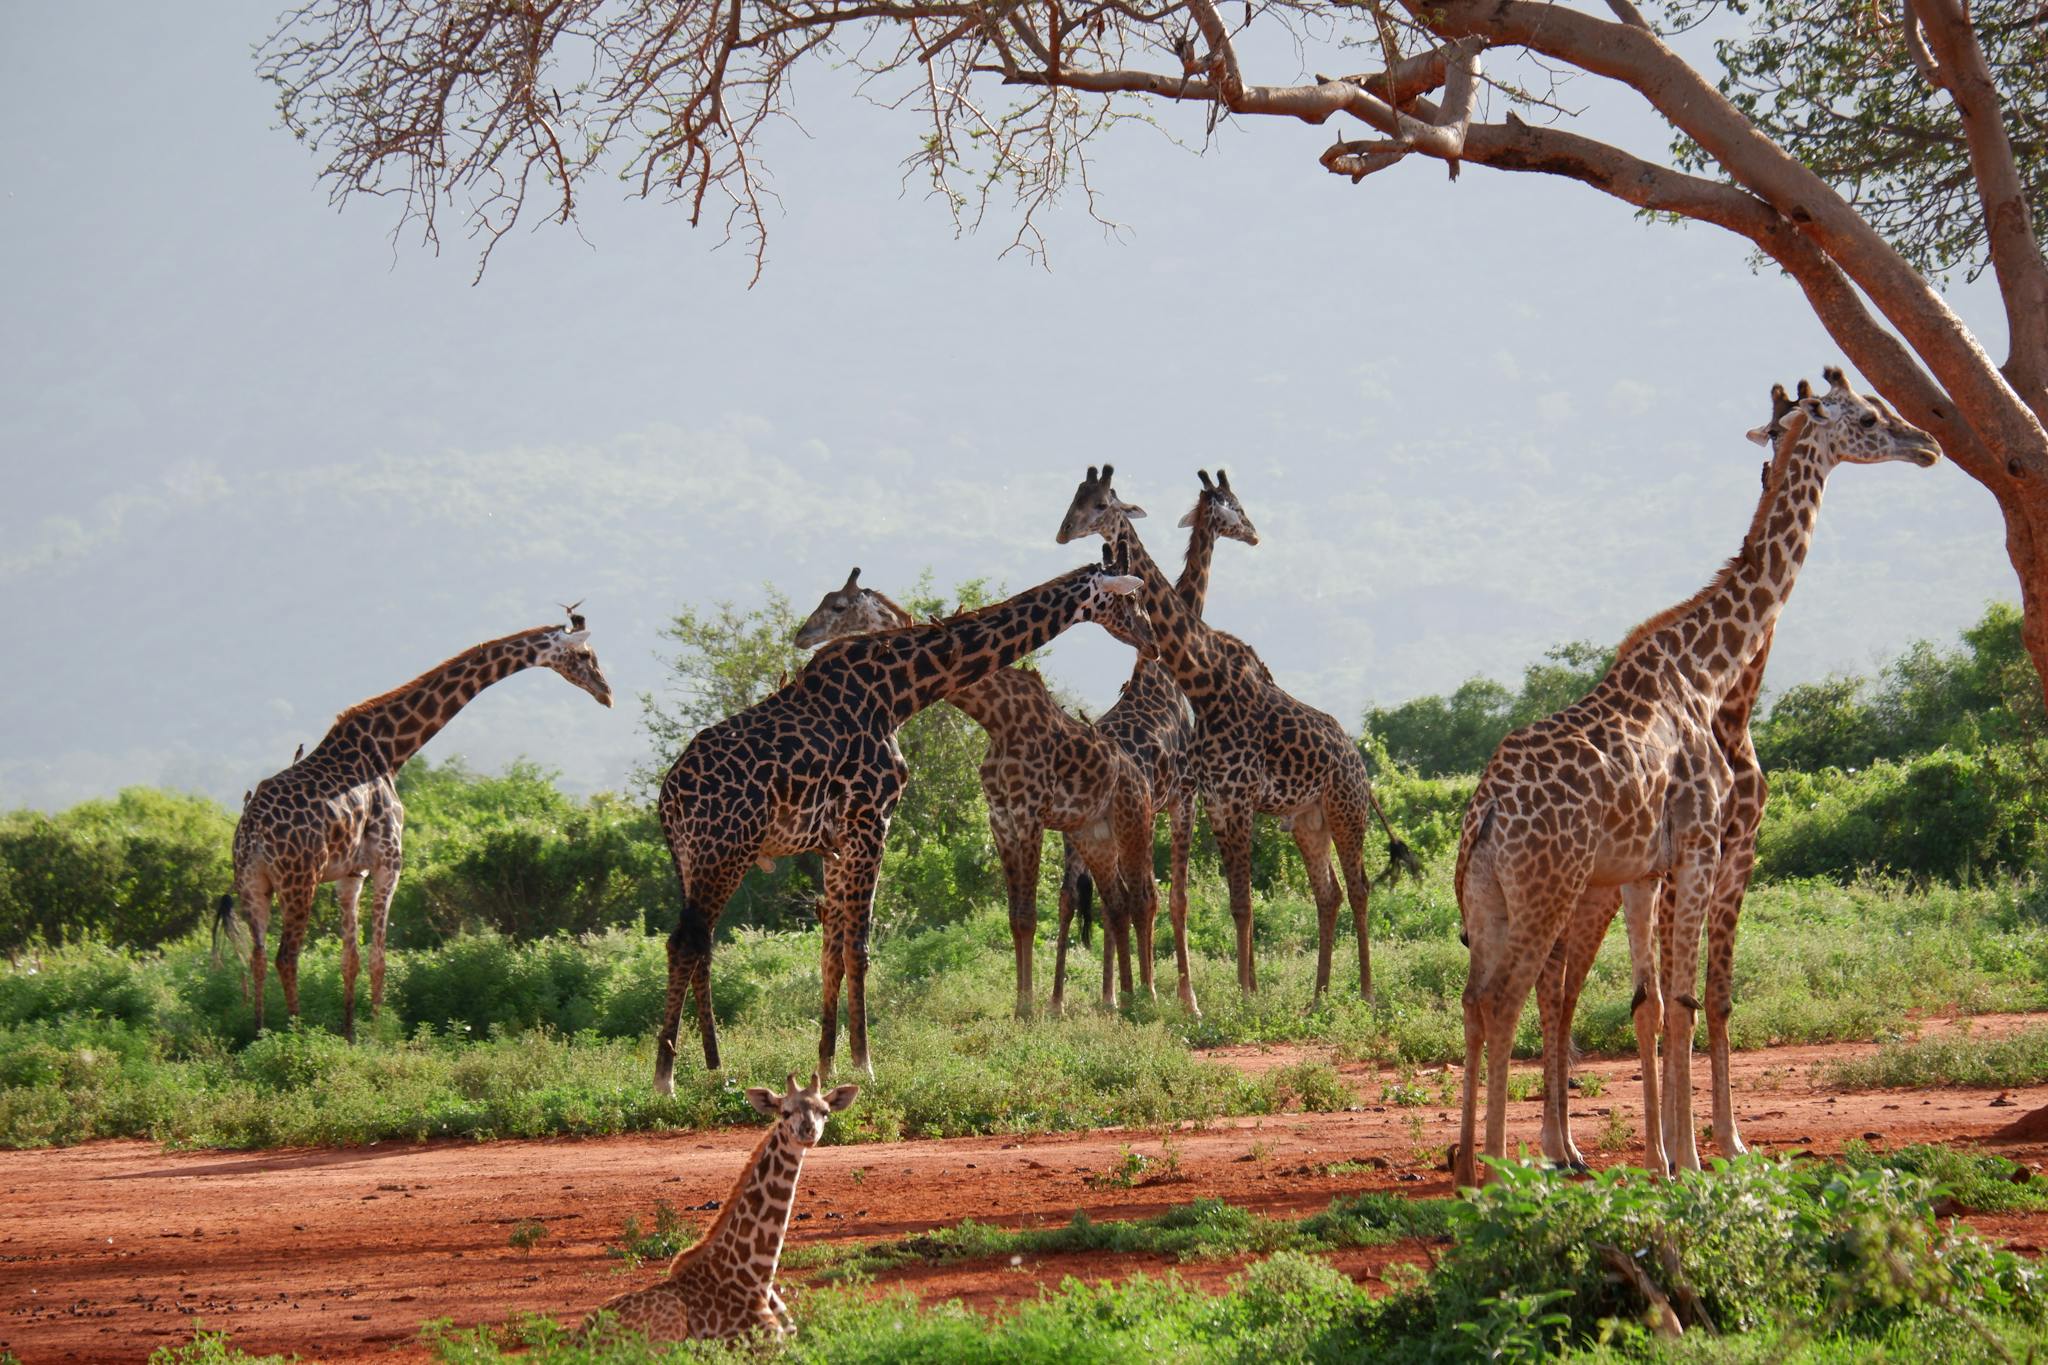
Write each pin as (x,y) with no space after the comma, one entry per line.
(1870,148)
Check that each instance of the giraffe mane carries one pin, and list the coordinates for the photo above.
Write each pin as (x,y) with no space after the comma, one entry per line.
(891,603)
(1774,483)
(731,1206)
(370,704)
(1199,520)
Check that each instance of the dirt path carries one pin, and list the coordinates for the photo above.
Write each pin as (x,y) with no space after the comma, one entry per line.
(109,1250)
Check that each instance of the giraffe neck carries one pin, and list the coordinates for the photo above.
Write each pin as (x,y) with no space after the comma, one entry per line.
(1199,659)
(931,662)
(1715,637)
(398,724)
(1193,586)
(746,1242)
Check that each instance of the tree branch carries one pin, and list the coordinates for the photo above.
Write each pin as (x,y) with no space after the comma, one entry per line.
(2015,253)
(1692,105)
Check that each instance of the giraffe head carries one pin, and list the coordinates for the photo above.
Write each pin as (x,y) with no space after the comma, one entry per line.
(1842,426)
(1116,604)
(849,610)
(1095,508)
(1226,513)
(568,652)
(802,1111)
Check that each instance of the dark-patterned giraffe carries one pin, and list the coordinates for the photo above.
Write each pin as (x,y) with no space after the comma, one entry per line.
(1558,989)
(334,815)
(1043,770)
(1631,782)
(1151,722)
(1257,749)
(814,768)
(723,1286)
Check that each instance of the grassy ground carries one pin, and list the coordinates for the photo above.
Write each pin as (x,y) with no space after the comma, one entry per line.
(1765,1261)
(484,1038)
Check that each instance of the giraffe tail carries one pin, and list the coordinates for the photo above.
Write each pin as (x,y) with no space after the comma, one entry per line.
(1084,902)
(223,922)
(1400,858)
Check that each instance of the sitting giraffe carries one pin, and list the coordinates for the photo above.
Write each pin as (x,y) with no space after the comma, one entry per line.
(814,767)
(724,1285)
(1044,770)
(1558,989)
(1257,749)
(1632,782)
(334,816)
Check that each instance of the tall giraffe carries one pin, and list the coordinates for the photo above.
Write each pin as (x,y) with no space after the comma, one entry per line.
(1257,749)
(1150,721)
(814,767)
(723,1286)
(1558,989)
(1044,770)
(334,816)
(1631,782)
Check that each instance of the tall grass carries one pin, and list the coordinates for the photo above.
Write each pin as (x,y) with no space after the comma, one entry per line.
(482,1037)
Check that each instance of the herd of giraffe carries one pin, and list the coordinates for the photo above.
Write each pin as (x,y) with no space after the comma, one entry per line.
(1643,796)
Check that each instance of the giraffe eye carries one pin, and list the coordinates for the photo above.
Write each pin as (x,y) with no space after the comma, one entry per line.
(1869,421)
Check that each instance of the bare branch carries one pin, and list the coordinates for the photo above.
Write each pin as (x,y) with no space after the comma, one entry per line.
(2015,252)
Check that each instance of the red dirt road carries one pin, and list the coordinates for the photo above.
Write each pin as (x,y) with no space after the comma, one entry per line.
(109,1250)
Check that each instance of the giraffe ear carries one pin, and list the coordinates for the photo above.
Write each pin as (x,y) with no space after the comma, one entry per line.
(574,637)
(1129,509)
(1122,585)
(765,1100)
(840,1096)
(1189,519)
(1762,435)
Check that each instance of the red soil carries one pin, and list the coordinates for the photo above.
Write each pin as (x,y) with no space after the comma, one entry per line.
(109,1250)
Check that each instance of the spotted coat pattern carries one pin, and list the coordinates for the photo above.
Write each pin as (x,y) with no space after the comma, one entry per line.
(814,767)
(1632,783)
(724,1285)
(1257,749)
(1043,770)
(334,815)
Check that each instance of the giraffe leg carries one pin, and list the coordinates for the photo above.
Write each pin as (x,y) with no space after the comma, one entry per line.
(1690,888)
(296,903)
(1557,1046)
(348,891)
(852,894)
(1131,826)
(1232,824)
(256,914)
(1103,856)
(1483,909)
(1731,883)
(383,885)
(1347,832)
(1180,821)
(1640,901)
(1018,842)
(1578,945)
(832,973)
(1312,838)
(704,893)
(1069,889)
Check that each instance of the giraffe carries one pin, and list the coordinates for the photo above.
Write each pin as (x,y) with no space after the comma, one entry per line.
(1257,749)
(1631,782)
(1150,722)
(1044,770)
(814,767)
(334,815)
(1580,942)
(724,1285)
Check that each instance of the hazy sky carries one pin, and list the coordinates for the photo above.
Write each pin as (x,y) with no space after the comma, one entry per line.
(259,463)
